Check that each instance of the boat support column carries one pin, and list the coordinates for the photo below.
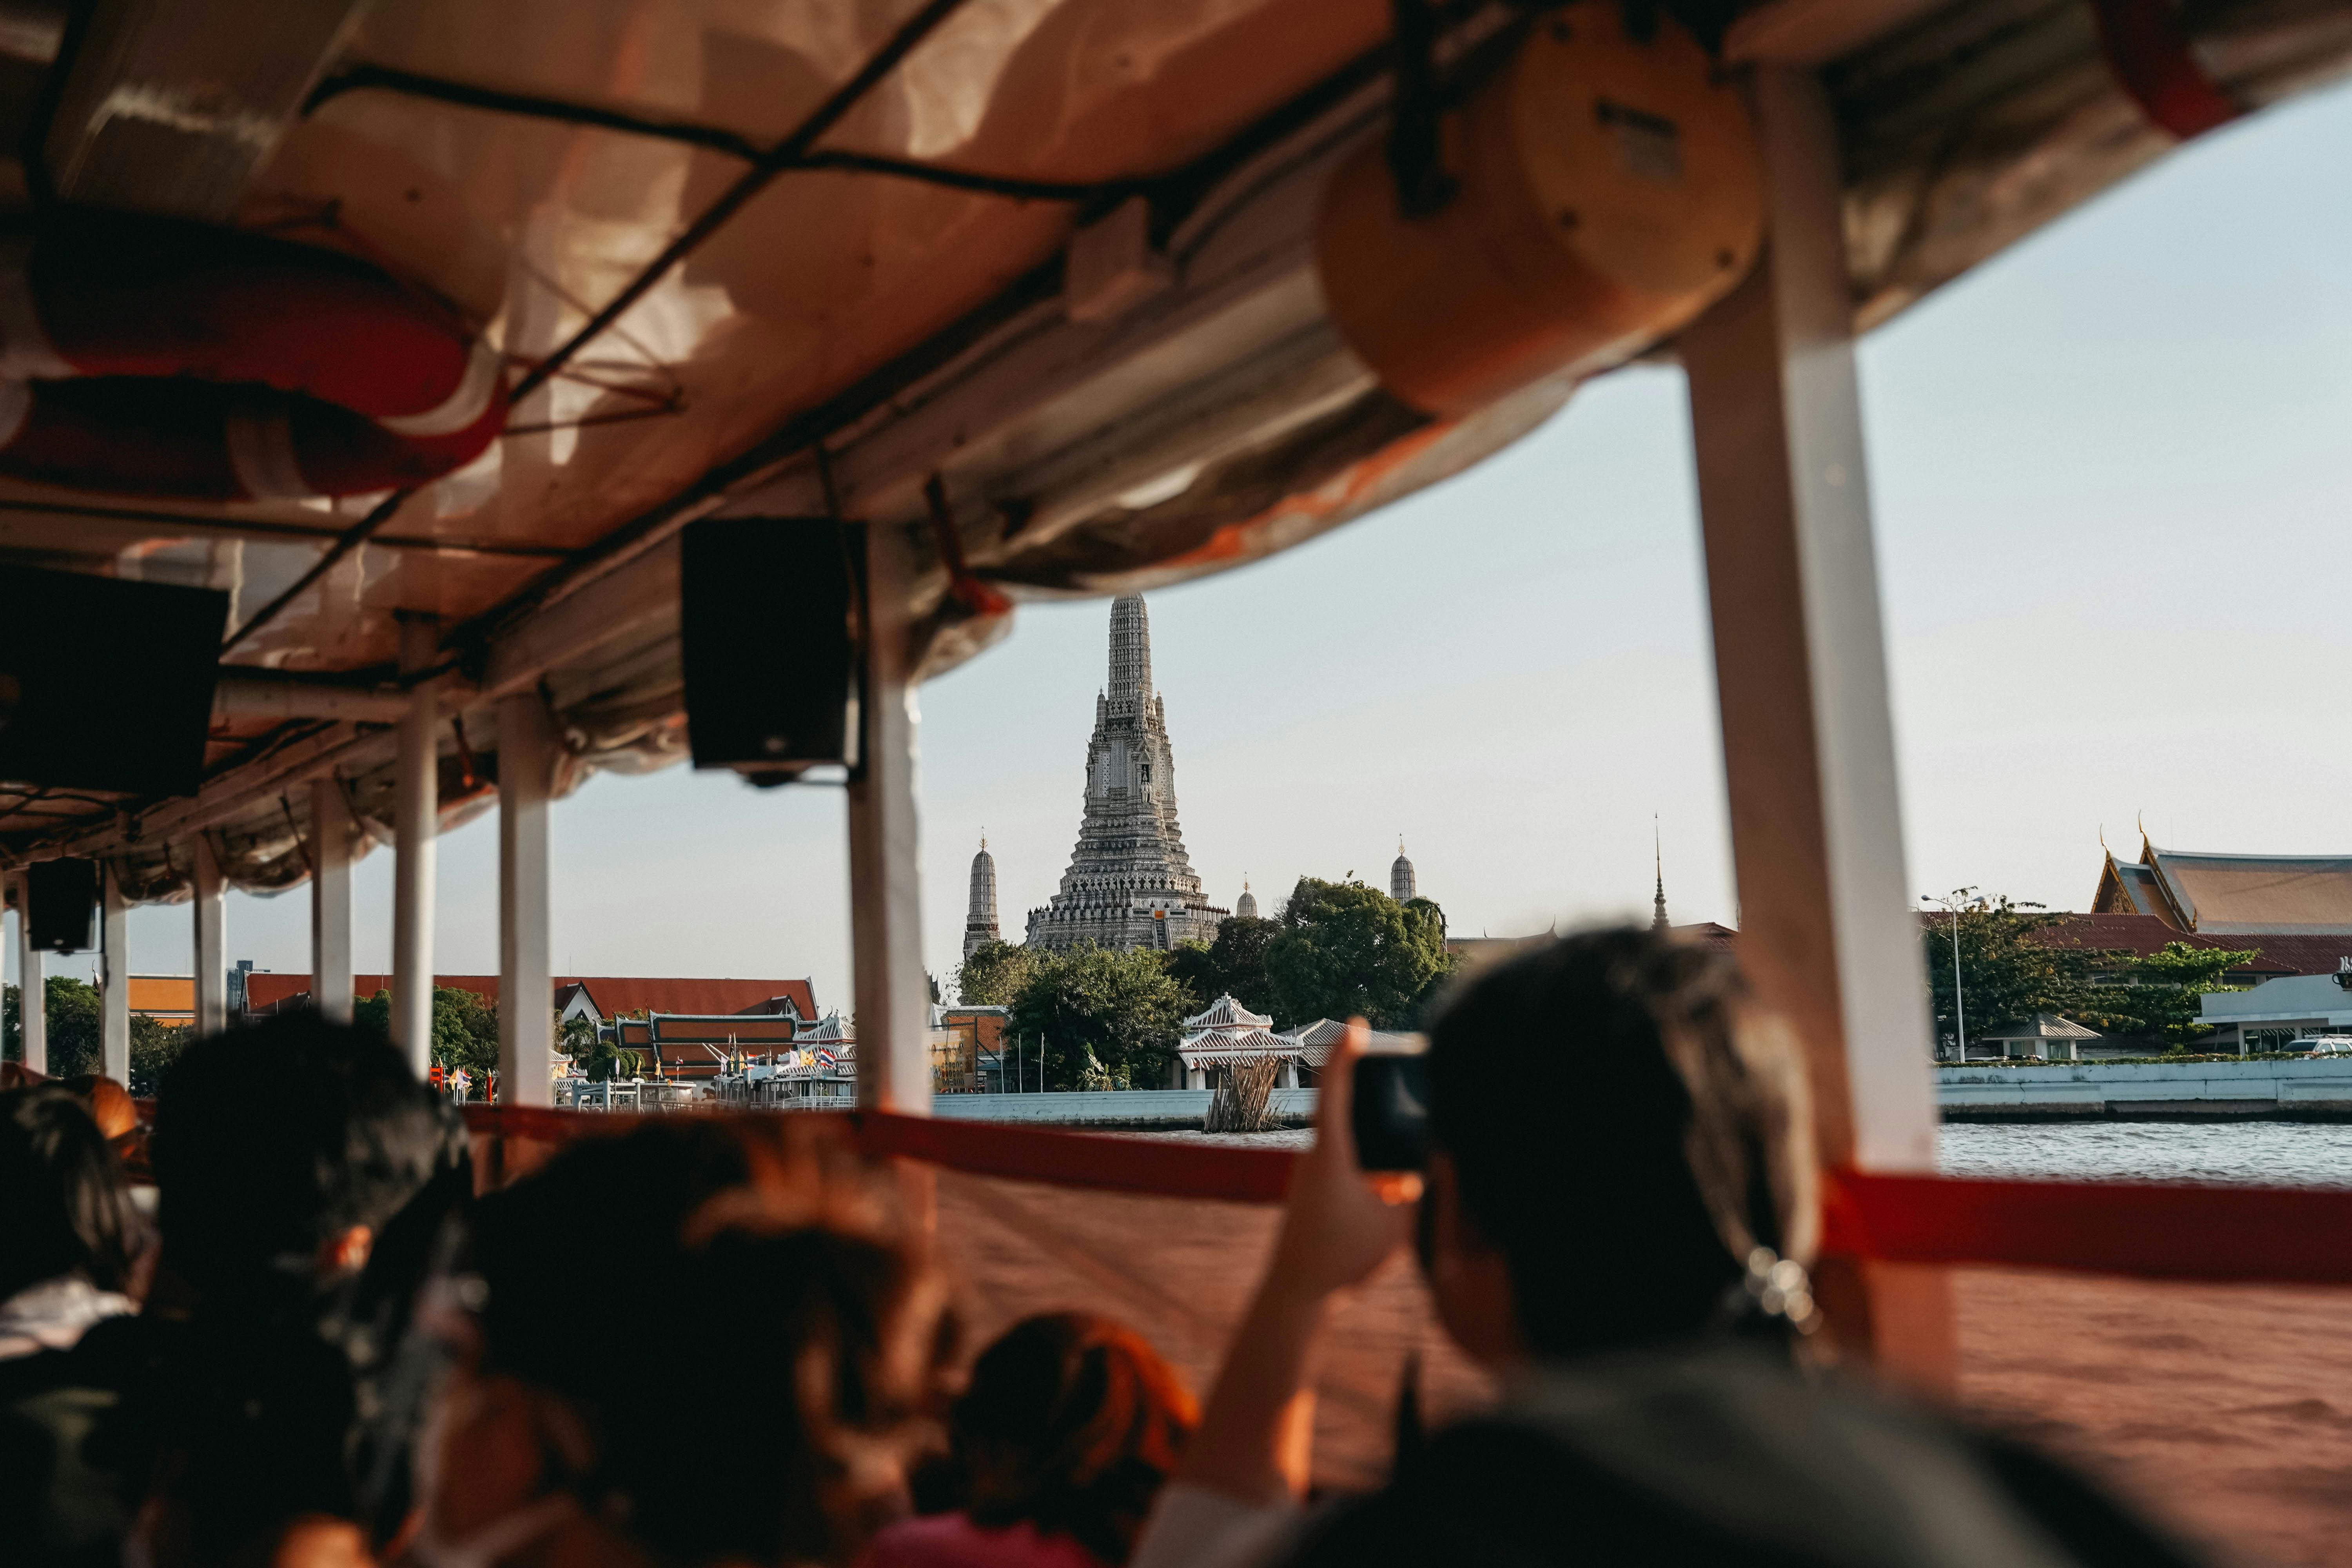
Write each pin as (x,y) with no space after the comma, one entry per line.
(885,918)
(1827,935)
(212,940)
(32,988)
(114,998)
(417,811)
(527,752)
(330,901)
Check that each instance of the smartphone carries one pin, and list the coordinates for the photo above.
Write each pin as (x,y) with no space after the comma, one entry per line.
(1390,1113)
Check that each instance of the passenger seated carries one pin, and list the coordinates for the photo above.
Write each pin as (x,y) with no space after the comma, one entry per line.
(303,1172)
(687,1346)
(70,1237)
(1069,1428)
(1619,1205)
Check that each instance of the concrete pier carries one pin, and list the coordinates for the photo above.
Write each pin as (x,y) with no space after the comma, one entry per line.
(2290,1089)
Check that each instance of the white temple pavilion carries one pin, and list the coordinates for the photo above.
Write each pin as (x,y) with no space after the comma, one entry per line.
(1227,1034)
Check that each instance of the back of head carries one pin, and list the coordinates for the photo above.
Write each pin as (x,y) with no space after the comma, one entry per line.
(64,1207)
(1625,1131)
(272,1139)
(1072,1423)
(580,1254)
(793,1332)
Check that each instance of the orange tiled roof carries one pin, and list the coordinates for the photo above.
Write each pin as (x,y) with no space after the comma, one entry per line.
(167,997)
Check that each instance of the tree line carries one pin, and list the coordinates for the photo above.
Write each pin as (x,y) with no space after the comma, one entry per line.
(2009,971)
(1096,1017)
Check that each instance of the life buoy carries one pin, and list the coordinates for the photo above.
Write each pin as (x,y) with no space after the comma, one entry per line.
(150,356)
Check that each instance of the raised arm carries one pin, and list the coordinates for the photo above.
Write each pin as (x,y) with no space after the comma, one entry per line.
(1256,1437)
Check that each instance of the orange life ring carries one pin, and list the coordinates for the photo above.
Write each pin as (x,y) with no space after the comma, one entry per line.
(150,356)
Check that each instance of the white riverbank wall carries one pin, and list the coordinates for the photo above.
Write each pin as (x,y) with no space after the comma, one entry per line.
(2286,1089)
(2308,1089)
(2292,1089)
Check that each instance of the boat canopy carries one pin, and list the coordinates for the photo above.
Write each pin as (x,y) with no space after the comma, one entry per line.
(1033,283)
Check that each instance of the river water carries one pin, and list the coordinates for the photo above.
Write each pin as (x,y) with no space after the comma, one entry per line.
(2268,1153)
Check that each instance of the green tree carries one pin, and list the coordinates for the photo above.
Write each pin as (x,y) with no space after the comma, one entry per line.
(153,1049)
(994,973)
(2157,994)
(2006,973)
(465,1029)
(1343,949)
(598,1054)
(1232,964)
(1100,1018)
(76,1027)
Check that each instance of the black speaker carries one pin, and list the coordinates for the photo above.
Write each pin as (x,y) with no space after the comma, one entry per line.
(768,611)
(106,684)
(60,911)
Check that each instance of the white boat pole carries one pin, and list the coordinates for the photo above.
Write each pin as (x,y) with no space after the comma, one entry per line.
(32,990)
(1826,933)
(417,811)
(114,997)
(330,901)
(527,752)
(211,939)
(884,870)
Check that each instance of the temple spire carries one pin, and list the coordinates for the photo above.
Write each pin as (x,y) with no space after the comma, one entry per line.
(1129,882)
(980,915)
(1658,921)
(1131,655)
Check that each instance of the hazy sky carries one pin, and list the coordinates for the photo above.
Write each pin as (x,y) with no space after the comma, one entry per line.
(2109,469)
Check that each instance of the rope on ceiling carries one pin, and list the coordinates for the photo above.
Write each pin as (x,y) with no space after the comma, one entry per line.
(783,156)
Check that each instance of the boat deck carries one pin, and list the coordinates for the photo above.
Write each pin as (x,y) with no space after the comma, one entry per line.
(2224,1409)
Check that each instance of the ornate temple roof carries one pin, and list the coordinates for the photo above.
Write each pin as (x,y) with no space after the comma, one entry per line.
(2249,894)
(1224,1013)
(1224,1048)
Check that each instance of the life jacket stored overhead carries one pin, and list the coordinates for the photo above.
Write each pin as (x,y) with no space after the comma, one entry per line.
(155,357)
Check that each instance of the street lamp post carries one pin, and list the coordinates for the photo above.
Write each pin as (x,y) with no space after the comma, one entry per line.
(1952,903)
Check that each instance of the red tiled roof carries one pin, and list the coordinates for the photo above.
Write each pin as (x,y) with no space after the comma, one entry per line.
(2143,934)
(613,995)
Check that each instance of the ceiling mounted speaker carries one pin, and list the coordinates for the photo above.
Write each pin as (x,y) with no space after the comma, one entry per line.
(60,911)
(767,618)
(107,684)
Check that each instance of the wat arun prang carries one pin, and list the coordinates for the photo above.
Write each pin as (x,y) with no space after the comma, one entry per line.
(1129,883)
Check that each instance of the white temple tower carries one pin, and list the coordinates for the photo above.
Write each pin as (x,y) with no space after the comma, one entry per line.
(1129,883)
(1401,879)
(980,915)
(1246,907)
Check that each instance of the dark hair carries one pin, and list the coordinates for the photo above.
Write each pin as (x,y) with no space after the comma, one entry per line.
(579,1256)
(810,1329)
(1623,1131)
(64,1206)
(272,1139)
(1072,1423)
